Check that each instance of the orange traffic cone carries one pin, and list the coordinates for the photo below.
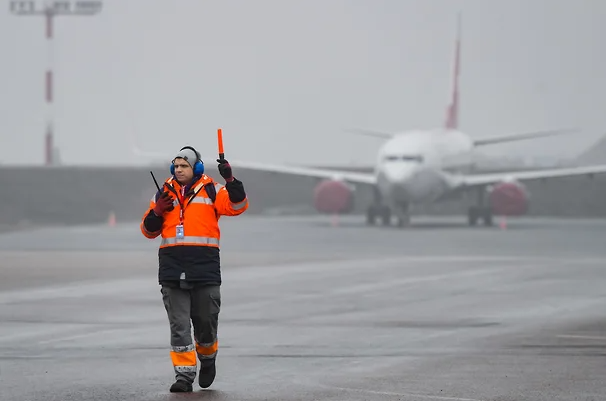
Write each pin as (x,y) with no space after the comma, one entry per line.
(111,220)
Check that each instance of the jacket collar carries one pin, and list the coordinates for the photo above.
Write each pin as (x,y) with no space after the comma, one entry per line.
(196,183)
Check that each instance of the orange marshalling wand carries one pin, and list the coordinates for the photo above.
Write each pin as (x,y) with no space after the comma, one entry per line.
(220,140)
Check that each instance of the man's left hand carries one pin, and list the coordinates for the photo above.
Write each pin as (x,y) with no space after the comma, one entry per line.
(225,170)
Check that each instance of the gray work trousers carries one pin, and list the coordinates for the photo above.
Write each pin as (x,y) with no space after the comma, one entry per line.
(199,307)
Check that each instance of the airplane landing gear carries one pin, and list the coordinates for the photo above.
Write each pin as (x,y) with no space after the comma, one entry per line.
(381,211)
(403,215)
(481,211)
(378,209)
(384,212)
(475,213)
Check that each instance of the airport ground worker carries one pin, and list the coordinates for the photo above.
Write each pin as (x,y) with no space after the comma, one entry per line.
(185,213)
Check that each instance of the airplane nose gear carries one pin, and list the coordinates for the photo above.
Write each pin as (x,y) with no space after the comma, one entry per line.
(384,212)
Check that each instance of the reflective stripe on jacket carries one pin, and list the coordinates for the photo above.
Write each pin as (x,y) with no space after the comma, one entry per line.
(195,257)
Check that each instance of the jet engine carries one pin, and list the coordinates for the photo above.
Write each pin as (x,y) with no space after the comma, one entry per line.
(333,197)
(508,198)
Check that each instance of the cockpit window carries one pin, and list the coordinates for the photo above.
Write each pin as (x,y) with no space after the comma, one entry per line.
(409,158)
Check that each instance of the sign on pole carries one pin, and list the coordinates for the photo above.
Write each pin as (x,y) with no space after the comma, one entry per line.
(32,7)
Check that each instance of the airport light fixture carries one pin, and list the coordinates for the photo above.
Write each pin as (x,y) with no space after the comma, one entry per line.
(50,10)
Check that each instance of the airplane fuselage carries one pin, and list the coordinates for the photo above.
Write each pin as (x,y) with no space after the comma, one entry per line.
(410,166)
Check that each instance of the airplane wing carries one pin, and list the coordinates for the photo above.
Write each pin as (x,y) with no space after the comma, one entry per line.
(520,137)
(477,142)
(493,178)
(350,176)
(366,132)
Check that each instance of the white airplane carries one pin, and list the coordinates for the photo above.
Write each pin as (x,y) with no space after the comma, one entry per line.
(419,167)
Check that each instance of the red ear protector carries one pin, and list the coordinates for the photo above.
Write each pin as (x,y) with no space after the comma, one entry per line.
(198,165)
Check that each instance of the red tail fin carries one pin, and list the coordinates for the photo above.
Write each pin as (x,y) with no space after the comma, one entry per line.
(452,113)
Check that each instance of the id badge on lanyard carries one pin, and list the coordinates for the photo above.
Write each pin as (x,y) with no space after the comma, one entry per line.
(180,233)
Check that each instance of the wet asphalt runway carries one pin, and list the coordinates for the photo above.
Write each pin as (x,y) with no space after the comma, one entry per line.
(439,311)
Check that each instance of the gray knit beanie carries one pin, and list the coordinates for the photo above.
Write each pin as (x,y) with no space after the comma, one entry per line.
(188,155)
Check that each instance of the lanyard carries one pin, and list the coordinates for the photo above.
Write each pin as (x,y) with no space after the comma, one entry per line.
(181,199)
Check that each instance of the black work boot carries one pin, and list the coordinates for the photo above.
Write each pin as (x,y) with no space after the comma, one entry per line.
(207,373)
(181,386)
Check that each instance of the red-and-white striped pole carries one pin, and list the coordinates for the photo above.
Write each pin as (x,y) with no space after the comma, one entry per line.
(56,8)
(48,88)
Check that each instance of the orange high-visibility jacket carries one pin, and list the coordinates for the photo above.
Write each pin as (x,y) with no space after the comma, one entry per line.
(195,256)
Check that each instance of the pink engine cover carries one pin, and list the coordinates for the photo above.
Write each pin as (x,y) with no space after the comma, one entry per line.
(509,199)
(333,197)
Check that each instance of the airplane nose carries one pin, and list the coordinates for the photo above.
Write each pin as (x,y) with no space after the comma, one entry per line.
(398,172)
(396,179)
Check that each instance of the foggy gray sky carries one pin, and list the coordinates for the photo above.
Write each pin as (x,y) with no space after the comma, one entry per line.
(283,78)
